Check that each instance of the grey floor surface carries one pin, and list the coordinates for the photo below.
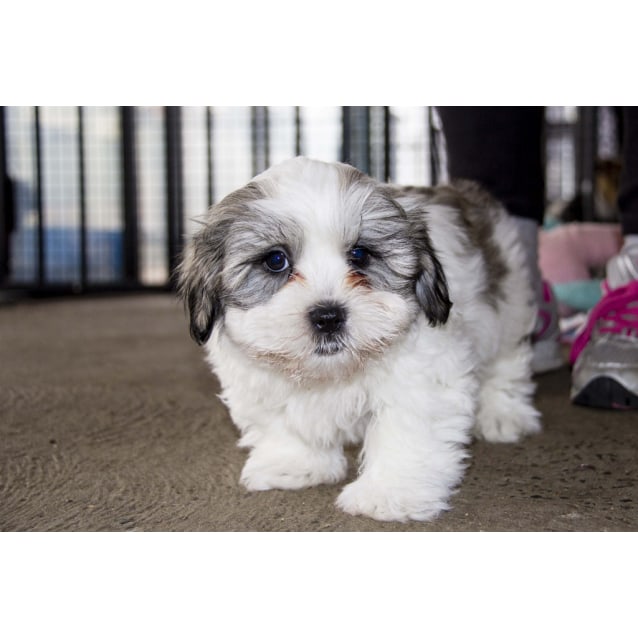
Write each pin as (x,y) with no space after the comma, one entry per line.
(109,421)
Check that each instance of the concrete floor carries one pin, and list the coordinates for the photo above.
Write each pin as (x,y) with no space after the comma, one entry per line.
(109,421)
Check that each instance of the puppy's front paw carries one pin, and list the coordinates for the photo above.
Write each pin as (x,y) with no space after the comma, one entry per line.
(263,471)
(377,501)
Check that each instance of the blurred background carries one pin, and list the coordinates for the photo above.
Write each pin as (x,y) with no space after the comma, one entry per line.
(103,198)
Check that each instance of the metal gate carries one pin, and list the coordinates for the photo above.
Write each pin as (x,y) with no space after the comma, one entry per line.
(102,198)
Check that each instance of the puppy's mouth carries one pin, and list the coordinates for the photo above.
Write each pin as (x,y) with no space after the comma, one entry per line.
(328,347)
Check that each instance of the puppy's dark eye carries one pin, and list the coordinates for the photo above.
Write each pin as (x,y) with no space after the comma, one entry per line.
(359,256)
(276,261)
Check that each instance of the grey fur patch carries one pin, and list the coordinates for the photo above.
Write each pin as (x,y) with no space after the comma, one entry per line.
(223,266)
(394,257)
(402,258)
(476,213)
(246,282)
(384,229)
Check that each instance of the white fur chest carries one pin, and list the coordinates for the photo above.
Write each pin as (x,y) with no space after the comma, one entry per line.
(323,414)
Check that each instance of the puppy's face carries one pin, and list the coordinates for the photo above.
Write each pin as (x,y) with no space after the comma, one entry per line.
(313,268)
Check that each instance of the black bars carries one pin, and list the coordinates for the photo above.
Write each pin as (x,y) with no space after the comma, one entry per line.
(6,215)
(355,144)
(297,131)
(366,141)
(435,146)
(387,144)
(39,199)
(586,152)
(82,184)
(260,138)
(210,161)
(174,185)
(129,196)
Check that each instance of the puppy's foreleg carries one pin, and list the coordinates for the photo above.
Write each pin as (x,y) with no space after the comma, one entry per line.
(413,456)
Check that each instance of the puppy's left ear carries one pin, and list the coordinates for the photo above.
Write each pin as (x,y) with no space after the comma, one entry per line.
(431,286)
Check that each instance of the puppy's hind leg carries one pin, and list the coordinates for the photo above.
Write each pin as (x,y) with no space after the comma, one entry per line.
(505,412)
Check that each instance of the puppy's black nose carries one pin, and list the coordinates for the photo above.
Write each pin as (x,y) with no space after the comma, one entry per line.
(327,318)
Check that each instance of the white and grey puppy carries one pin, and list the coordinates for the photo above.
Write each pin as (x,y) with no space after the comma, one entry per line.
(336,310)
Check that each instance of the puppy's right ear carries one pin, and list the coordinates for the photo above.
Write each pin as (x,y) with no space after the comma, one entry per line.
(199,284)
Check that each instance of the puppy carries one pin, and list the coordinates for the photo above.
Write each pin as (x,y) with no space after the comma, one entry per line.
(336,310)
